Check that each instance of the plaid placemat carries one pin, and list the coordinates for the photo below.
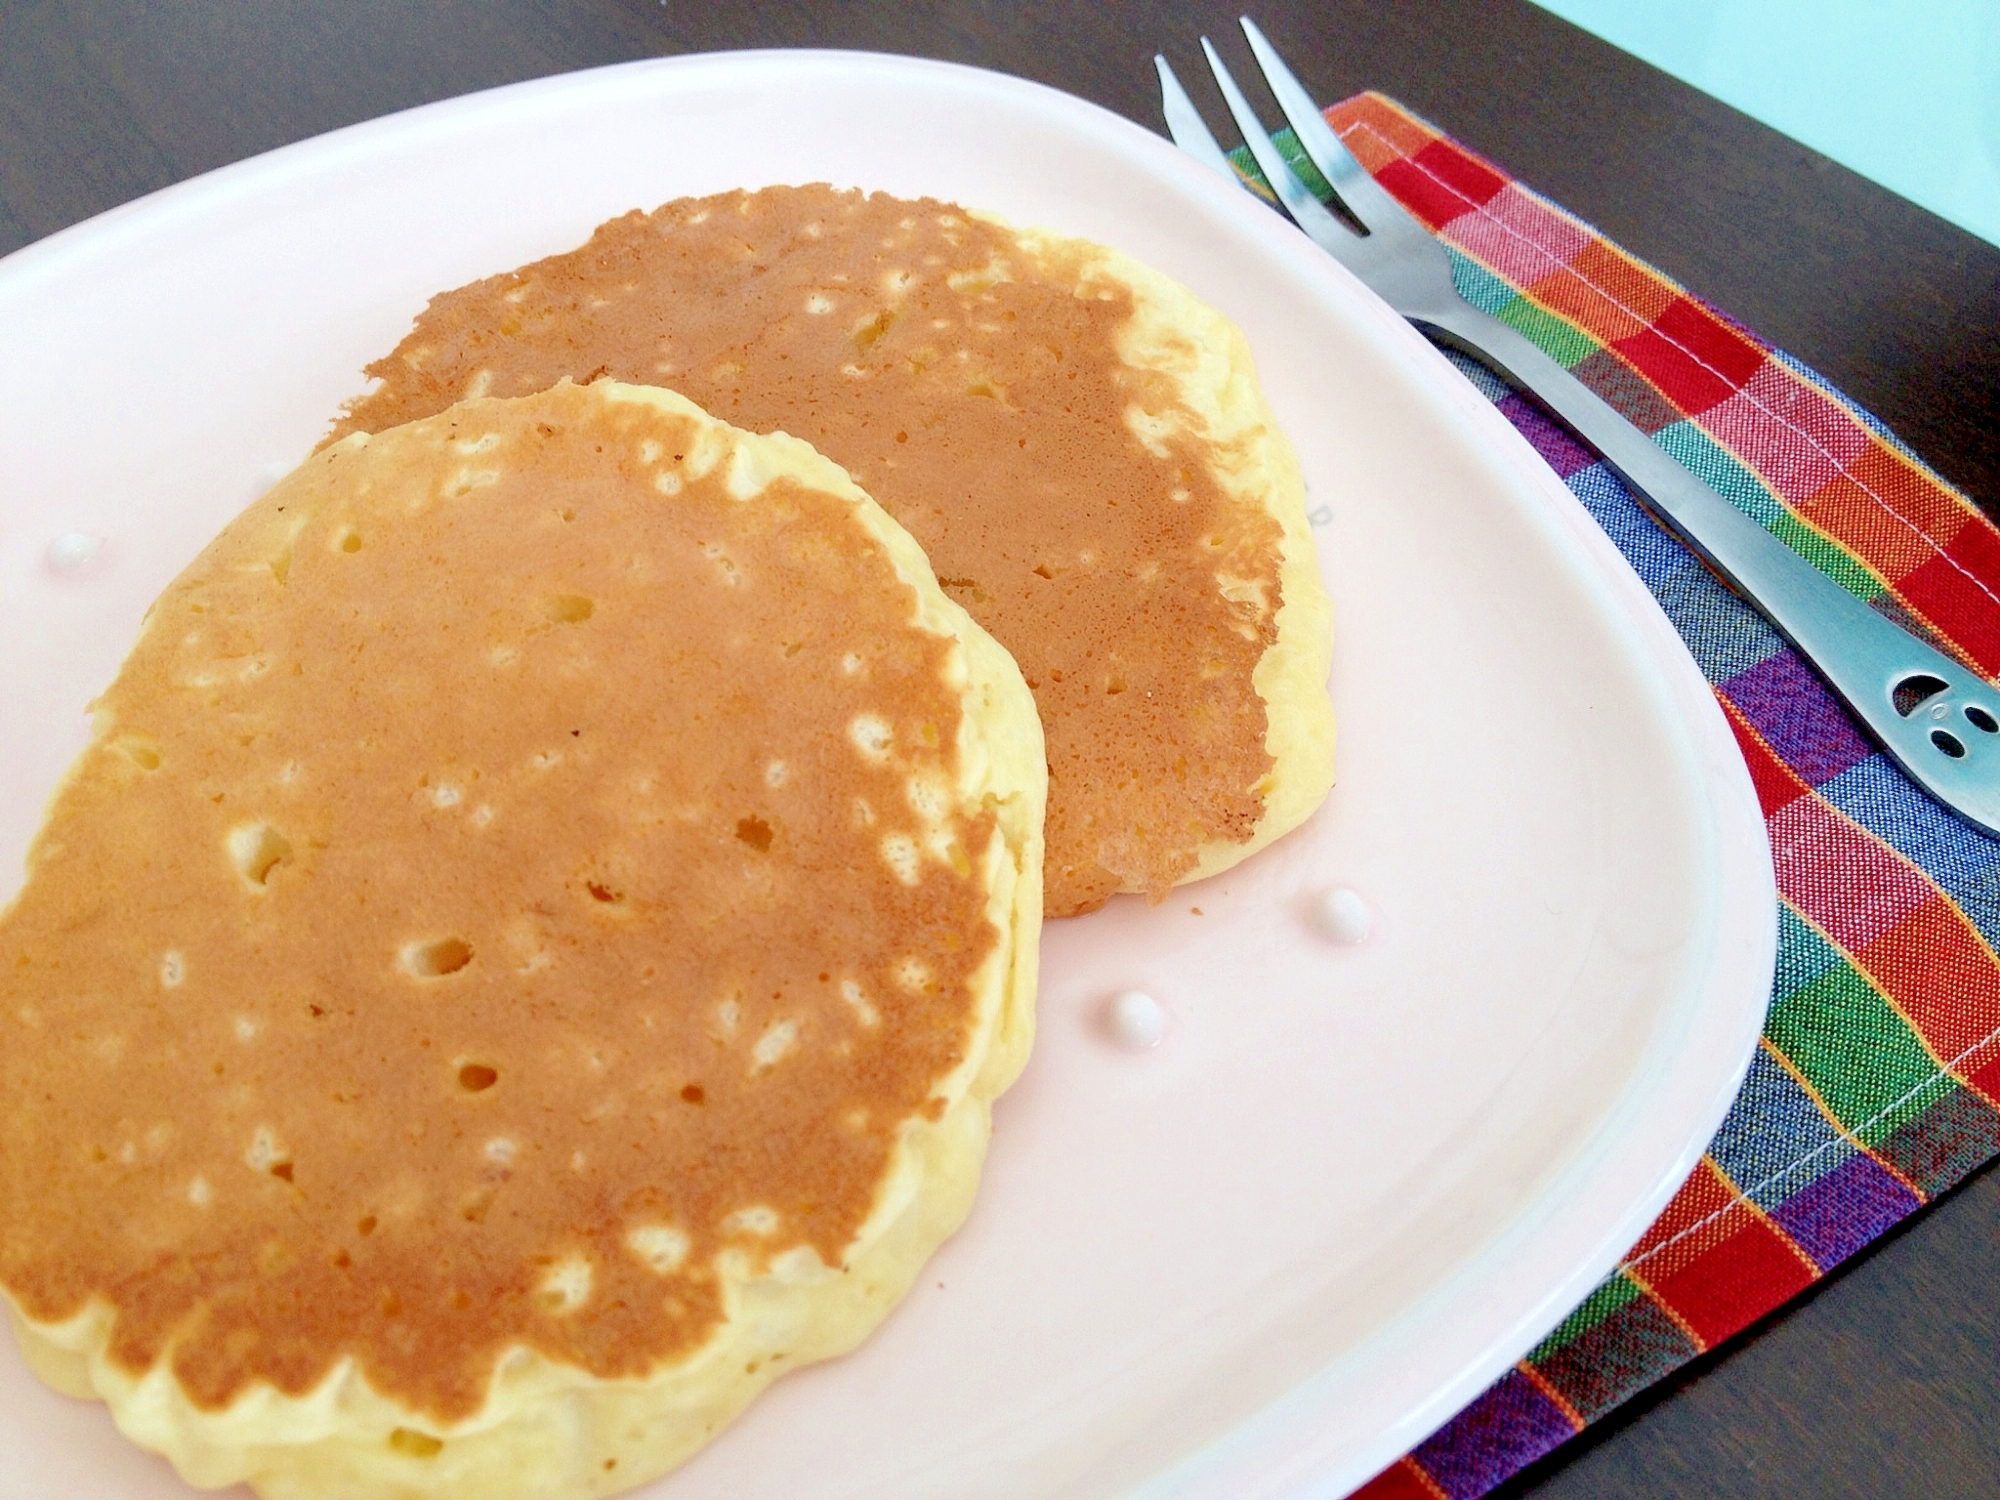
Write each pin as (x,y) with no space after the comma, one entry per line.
(1875,1084)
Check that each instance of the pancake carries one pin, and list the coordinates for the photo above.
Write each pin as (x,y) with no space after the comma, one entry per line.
(1078,443)
(525,959)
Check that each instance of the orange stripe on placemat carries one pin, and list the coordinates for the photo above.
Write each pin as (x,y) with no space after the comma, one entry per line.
(1894,483)
(1382,130)
(1861,522)
(1589,292)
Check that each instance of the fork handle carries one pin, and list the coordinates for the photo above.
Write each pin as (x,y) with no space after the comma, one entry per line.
(1949,743)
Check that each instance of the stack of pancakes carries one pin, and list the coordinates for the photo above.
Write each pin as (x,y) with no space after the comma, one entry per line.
(554,892)
(1077,443)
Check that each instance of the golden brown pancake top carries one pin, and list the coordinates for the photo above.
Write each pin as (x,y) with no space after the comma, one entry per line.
(975,387)
(481,906)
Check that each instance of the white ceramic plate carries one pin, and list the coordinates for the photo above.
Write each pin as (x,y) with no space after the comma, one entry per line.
(1355,1183)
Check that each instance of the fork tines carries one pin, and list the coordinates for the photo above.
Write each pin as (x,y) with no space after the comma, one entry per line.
(1354,189)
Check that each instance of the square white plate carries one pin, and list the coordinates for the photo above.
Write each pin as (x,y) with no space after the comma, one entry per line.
(1355,1182)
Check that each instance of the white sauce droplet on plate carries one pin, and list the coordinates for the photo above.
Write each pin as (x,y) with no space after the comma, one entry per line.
(1341,915)
(72,550)
(1135,1020)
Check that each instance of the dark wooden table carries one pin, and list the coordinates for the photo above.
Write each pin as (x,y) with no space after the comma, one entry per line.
(1885,1381)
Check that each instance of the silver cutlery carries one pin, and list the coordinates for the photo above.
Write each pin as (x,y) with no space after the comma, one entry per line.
(1936,718)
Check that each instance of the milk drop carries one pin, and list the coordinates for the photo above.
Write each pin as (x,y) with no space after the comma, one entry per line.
(1342,916)
(1136,1021)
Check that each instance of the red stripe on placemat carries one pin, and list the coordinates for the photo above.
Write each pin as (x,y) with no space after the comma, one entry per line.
(1795,439)
(1440,182)
(1939,973)
(1402,1480)
(1715,1262)
(1956,593)
(1694,357)
(1737,1281)
(1447,162)
(1985,1079)
(1519,236)
(1848,883)
(1431,201)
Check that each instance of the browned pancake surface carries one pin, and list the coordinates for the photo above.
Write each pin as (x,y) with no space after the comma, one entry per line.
(977,391)
(481,878)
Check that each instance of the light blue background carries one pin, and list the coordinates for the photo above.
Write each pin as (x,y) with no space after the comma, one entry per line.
(1906,92)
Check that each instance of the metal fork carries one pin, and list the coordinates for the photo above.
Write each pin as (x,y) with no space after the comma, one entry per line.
(1939,721)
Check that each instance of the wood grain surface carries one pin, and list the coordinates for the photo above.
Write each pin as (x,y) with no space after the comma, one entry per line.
(1885,1381)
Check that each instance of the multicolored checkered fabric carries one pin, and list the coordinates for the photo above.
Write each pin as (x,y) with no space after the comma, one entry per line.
(1875,1086)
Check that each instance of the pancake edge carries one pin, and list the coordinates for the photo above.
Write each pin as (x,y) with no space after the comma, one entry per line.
(1175,333)
(546,1429)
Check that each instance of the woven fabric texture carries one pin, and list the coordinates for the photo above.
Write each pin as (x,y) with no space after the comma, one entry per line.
(1875,1084)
